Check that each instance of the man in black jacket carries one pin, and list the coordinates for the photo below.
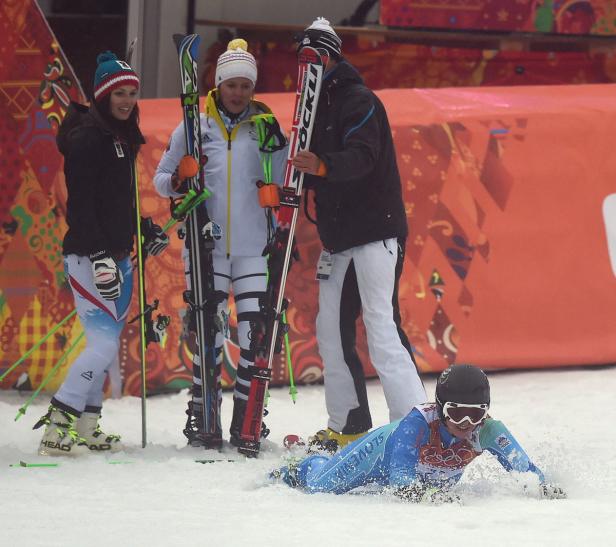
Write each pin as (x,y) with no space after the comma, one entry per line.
(362,224)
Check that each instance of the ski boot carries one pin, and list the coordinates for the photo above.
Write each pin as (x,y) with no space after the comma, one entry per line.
(239,410)
(331,441)
(193,430)
(60,437)
(88,428)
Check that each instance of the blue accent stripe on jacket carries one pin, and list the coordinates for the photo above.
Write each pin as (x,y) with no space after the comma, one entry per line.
(356,127)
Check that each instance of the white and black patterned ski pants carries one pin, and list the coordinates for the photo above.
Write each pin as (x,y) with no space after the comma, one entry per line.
(246,276)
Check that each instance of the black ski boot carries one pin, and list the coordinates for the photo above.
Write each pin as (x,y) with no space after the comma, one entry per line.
(239,410)
(193,430)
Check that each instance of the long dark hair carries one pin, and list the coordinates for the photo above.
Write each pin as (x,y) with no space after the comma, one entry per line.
(127,130)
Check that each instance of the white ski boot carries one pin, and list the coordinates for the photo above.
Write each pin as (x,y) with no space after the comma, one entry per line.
(60,437)
(96,440)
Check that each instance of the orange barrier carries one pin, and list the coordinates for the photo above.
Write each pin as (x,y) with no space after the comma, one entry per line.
(507,261)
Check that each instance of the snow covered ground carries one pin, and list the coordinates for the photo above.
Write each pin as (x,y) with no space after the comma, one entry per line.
(565,419)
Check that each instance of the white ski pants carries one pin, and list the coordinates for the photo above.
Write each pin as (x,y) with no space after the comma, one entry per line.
(375,265)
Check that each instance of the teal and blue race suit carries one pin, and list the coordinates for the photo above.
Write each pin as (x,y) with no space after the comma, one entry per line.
(416,448)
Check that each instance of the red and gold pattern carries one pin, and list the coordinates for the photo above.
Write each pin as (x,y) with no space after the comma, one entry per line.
(556,16)
(456,456)
(392,65)
(35,88)
(507,262)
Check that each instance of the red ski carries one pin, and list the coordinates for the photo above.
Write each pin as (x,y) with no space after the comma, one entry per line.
(267,336)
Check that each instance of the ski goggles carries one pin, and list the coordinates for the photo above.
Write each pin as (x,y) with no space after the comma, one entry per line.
(459,412)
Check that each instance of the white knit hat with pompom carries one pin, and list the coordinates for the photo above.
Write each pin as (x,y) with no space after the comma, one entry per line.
(236,62)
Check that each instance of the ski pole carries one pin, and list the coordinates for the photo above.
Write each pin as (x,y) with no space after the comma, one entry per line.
(287,351)
(36,346)
(188,203)
(142,304)
(49,376)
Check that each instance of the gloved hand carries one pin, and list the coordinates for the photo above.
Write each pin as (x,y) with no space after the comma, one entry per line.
(426,494)
(107,277)
(186,169)
(159,329)
(155,241)
(551,492)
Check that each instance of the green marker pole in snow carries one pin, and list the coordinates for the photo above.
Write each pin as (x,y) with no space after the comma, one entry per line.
(36,346)
(49,376)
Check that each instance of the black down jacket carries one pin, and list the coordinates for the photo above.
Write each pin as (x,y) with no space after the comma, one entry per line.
(98,170)
(360,199)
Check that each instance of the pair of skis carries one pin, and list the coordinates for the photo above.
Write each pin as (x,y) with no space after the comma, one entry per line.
(201,233)
(267,341)
(201,298)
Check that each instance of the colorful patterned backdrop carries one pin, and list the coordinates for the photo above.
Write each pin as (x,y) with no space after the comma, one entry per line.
(36,85)
(390,65)
(558,16)
(507,262)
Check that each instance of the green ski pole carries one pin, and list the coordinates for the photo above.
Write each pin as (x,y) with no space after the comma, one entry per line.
(186,205)
(142,303)
(36,346)
(287,352)
(47,378)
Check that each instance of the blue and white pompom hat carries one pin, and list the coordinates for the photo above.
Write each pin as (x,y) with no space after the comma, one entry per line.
(112,73)
(236,62)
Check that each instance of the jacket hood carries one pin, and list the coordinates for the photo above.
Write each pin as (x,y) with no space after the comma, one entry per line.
(75,117)
(79,116)
(341,75)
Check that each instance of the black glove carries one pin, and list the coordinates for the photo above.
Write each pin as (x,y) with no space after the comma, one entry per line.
(107,276)
(155,241)
(425,494)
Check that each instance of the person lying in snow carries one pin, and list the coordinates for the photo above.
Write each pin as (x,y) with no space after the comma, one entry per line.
(421,456)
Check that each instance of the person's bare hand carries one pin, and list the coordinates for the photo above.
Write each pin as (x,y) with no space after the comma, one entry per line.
(306,162)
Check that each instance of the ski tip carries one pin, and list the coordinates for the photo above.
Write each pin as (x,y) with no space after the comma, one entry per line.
(177,40)
(130,50)
(26,464)
(186,40)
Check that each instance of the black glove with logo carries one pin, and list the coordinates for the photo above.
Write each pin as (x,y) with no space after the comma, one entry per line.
(155,241)
(107,276)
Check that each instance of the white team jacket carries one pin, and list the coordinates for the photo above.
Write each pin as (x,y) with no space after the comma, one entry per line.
(233,167)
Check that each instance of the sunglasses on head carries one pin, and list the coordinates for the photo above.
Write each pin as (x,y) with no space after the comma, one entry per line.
(459,412)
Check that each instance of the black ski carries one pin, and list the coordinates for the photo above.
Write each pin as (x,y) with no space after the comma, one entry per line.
(201,233)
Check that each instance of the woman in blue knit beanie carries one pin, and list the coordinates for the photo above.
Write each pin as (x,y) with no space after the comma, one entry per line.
(100,145)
